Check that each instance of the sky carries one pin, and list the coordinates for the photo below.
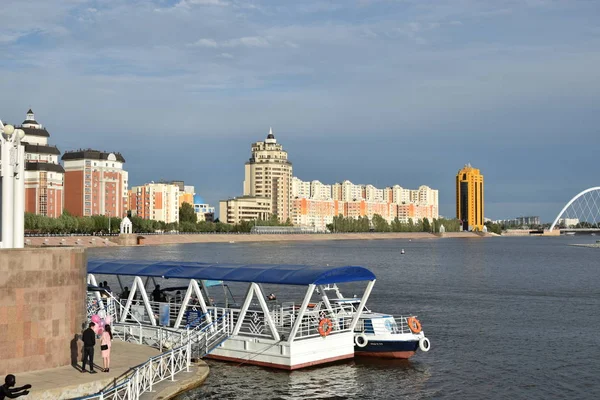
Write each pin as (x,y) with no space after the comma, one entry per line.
(378,92)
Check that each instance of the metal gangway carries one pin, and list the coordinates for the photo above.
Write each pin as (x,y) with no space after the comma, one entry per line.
(203,336)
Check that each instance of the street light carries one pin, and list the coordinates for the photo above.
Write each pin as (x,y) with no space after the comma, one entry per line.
(13,186)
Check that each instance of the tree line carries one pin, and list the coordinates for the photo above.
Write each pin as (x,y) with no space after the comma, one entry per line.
(379,224)
(101,224)
(188,223)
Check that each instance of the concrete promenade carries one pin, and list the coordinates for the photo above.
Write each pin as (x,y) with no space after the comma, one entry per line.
(68,382)
(184,381)
(154,240)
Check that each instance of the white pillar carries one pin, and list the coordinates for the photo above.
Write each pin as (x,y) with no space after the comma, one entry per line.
(19,199)
(7,196)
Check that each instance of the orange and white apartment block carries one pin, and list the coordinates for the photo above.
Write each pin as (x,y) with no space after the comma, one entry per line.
(96,183)
(315,204)
(156,201)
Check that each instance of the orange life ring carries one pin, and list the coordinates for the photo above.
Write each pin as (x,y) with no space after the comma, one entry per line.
(325,327)
(413,324)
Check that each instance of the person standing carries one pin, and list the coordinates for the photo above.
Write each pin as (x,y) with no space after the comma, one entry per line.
(125,294)
(105,345)
(89,341)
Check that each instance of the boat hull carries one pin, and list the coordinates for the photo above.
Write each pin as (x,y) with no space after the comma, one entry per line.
(280,366)
(266,352)
(387,349)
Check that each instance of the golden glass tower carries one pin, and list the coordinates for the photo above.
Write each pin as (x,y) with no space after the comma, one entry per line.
(469,198)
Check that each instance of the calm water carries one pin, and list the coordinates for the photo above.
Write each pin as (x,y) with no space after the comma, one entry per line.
(507,318)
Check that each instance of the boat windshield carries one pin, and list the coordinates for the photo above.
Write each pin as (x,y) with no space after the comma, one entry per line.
(354,302)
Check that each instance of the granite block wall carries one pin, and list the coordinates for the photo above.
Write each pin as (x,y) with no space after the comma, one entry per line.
(42,307)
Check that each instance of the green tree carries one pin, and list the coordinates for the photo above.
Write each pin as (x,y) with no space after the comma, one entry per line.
(495,228)
(380,224)
(187,213)
(426,225)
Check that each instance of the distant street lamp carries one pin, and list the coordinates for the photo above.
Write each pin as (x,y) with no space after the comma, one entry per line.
(13,187)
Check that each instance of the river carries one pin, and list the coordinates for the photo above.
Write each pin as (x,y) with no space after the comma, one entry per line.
(507,318)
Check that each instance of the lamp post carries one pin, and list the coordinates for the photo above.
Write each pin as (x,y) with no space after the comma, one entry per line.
(13,186)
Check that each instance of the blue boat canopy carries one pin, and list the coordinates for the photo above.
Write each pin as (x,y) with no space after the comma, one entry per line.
(280,274)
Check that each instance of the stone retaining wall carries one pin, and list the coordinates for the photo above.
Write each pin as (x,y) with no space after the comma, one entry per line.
(42,306)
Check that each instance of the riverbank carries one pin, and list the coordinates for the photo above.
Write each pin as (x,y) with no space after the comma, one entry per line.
(156,240)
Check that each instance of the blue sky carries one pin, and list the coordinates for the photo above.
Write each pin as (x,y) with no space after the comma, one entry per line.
(375,91)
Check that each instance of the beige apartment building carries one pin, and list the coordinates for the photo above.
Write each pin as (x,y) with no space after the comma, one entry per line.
(156,201)
(244,208)
(268,174)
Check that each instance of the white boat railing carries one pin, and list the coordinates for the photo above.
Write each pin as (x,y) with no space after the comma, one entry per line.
(309,326)
(399,326)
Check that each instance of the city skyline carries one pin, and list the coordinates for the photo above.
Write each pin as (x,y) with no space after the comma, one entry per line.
(370,91)
(170,180)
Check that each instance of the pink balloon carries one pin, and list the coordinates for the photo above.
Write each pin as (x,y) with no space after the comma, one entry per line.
(100,331)
(107,320)
(96,318)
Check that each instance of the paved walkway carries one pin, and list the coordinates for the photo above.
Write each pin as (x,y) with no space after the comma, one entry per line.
(68,382)
(184,381)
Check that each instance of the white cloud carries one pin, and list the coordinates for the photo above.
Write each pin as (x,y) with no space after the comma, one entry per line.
(188,3)
(205,43)
(248,41)
(226,55)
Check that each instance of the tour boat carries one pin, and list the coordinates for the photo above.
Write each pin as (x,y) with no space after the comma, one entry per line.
(383,335)
(386,336)
(285,336)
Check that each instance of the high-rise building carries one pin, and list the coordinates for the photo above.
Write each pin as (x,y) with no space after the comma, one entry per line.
(268,173)
(156,201)
(44,176)
(469,198)
(95,183)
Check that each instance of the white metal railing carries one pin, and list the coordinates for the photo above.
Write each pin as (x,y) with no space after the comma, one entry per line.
(199,340)
(286,315)
(142,378)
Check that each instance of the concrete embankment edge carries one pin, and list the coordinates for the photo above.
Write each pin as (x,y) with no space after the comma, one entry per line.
(185,384)
(155,240)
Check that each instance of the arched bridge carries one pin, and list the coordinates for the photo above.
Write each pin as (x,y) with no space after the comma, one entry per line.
(581,213)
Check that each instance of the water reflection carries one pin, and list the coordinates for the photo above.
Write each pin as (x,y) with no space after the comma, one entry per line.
(358,378)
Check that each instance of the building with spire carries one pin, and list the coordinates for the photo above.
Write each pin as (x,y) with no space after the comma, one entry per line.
(268,173)
(469,198)
(267,186)
(44,176)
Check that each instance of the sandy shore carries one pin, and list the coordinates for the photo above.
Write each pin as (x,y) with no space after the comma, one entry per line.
(155,240)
